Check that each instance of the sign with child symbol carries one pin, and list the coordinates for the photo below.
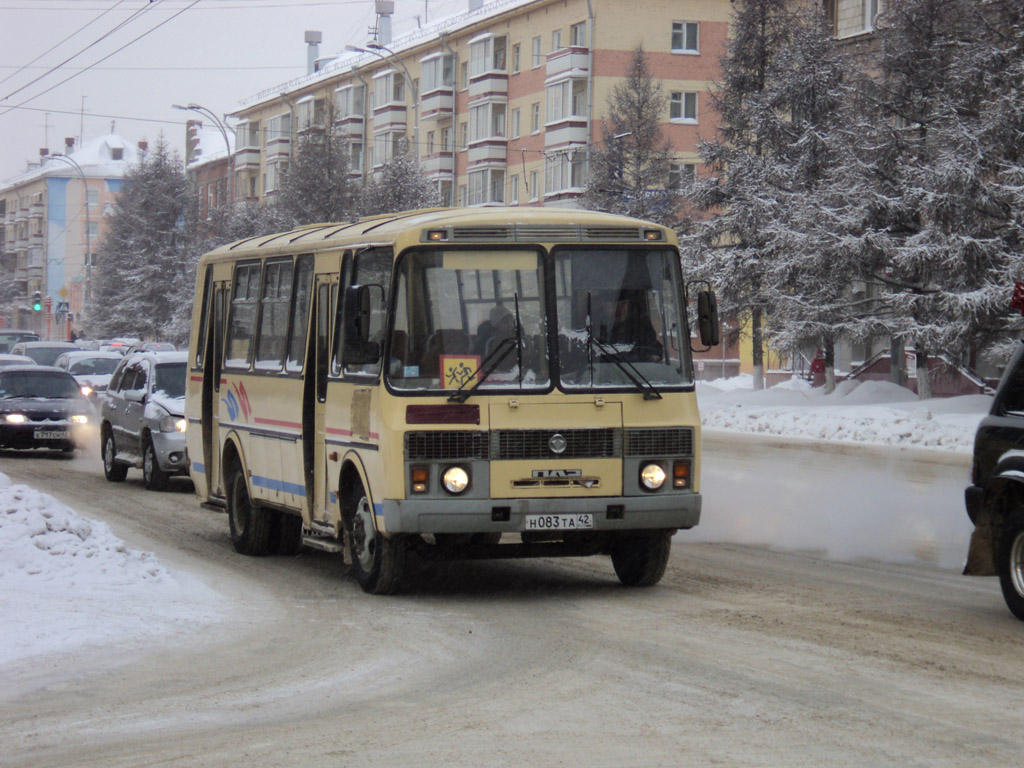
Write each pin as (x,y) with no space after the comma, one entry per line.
(458,370)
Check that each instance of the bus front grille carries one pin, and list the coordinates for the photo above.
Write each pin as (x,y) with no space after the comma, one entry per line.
(536,443)
(661,441)
(446,445)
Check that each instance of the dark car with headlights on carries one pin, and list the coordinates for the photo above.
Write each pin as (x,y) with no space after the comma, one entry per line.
(41,407)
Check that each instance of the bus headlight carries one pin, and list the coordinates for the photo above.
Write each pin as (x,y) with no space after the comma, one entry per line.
(652,476)
(455,480)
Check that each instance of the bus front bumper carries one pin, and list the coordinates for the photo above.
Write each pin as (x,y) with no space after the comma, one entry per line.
(513,515)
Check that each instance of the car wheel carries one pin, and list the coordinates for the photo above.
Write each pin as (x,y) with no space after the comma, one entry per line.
(154,477)
(377,562)
(113,469)
(1010,563)
(640,559)
(251,525)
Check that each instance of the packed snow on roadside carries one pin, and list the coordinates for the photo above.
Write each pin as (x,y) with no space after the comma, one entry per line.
(874,412)
(67,582)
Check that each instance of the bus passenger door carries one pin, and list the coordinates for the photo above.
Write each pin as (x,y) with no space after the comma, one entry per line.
(314,394)
(212,365)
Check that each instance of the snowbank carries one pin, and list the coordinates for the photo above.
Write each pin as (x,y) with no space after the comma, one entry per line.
(66,581)
(875,412)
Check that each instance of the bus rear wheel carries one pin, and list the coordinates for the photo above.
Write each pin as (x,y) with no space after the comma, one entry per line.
(251,526)
(640,559)
(377,562)
(1010,563)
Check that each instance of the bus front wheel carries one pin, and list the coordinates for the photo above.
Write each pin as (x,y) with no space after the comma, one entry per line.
(640,559)
(377,562)
(251,525)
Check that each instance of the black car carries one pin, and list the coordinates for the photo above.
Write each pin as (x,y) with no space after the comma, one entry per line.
(41,407)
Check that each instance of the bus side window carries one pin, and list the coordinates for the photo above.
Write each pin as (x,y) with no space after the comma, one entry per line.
(299,322)
(204,318)
(373,267)
(339,310)
(242,325)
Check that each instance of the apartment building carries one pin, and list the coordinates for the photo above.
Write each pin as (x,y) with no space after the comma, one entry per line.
(51,220)
(501,103)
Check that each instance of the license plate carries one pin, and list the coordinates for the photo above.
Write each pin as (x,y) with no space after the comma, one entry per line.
(583,521)
(50,434)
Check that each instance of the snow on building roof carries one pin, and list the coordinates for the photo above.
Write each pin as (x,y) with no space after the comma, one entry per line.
(106,156)
(447,16)
(209,145)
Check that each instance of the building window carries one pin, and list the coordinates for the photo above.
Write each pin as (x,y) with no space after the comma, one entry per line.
(566,99)
(93,197)
(683,106)
(463,134)
(535,117)
(430,142)
(486,186)
(535,60)
(682,176)
(564,171)
(446,139)
(438,72)
(389,89)
(387,146)
(578,35)
(514,128)
(534,191)
(556,40)
(515,58)
(355,156)
(249,134)
(275,174)
(93,230)
(870,13)
(487,121)
(445,189)
(279,127)
(463,195)
(685,37)
(350,101)
(513,189)
(464,75)
(487,55)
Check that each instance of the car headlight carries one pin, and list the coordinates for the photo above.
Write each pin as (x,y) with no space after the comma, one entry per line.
(15,418)
(652,476)
(455,479)
(86,390)
(79,418)
(172,424)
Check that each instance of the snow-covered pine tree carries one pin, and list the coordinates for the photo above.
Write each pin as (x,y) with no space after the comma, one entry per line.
(629,170)
(141,277)
(317,186)
(941,234)
(813,224)
(734,248)
(401,186)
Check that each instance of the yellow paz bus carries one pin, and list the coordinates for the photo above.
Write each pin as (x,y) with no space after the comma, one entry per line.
(460,383)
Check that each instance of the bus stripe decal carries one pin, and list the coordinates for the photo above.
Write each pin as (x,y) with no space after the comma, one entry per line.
(348,433)
(277,423)
(278,485)
(354,444)
(198,466)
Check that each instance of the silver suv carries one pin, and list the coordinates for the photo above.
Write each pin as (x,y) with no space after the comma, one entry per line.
(142,418)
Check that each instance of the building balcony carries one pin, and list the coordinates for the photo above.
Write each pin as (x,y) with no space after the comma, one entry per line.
(389,117)
(35,241)
(351,126)
(438,163)
(488,151)
(438,104)
(278,148)
(36,210)
(572,59)
(34,272)
(21,273)
(488,84)
(21,215)
(248,157)
(562,133)
(21,244)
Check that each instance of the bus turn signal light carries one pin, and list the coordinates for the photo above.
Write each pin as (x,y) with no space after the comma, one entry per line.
(681,474)
(420,476)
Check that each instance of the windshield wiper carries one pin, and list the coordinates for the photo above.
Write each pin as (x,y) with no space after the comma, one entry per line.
(611,353)
(490,363)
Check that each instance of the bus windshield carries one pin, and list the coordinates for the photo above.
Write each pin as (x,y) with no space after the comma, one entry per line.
(478,320)
(620,319)
(459,316)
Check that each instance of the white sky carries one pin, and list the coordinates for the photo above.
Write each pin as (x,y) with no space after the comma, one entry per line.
(210,52)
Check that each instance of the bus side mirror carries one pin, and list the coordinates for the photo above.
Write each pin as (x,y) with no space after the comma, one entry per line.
(707,319)
(358,311)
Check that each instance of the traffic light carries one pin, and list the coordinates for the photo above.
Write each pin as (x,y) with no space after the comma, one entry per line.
(37,301)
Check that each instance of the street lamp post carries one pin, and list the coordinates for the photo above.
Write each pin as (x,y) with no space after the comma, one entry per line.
(88,229)
(193,107)
(391,58)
